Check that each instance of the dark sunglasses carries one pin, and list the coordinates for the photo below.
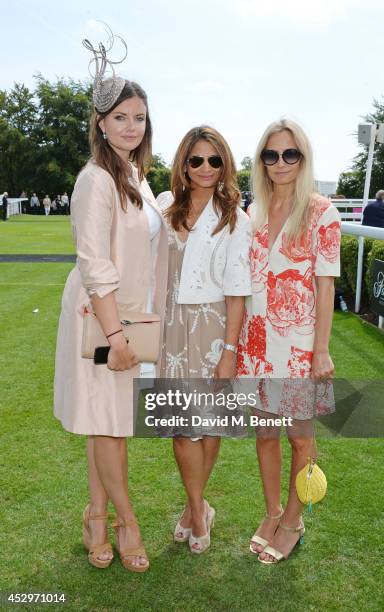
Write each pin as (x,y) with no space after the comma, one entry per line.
(214,161)
(270,157)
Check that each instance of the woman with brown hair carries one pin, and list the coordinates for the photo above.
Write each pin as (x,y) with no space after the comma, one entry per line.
(208,277)
(121,244)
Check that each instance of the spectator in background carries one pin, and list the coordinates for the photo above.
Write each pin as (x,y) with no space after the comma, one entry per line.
(47,205)
(5,205)
(34,204)
(24,205)
(65,203)
(57,203)
(247,201)
(373,213)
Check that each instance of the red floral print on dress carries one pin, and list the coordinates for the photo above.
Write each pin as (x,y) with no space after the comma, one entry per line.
(300,363)
(241,366)
(256,337)
(242,357)
(291,301)
(298,398)
(297,250)
(300,249)
(328,241)
(317,209)
(259,259)
(306,398)
(268,368)
(252,347)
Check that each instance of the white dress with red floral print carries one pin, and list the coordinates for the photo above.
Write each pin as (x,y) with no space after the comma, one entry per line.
(278,331)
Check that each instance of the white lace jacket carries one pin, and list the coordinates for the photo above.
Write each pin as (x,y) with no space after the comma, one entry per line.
(213,266)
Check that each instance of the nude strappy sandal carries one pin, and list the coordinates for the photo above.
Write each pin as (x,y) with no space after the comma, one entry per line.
(137,551)
(256,539)
(276,554)
(95,550)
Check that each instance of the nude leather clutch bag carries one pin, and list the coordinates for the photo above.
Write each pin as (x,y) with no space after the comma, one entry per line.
(142,331)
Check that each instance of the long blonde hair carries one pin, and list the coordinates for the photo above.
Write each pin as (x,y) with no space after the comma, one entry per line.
(304,186)
(226,197)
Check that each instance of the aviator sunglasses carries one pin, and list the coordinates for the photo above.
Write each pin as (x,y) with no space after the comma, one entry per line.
(270,157)
(214,161)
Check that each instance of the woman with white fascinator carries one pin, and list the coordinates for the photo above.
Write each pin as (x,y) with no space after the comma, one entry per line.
(121,244)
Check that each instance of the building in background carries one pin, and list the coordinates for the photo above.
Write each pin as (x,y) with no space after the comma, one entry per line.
(326,188)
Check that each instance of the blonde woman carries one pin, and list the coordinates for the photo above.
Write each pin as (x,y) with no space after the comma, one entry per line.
(208,277)
(288,319)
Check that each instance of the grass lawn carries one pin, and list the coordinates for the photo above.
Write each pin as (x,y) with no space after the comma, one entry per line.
(44,490)
(36,234)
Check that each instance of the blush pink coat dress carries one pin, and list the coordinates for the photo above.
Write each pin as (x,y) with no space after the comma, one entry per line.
(114,253)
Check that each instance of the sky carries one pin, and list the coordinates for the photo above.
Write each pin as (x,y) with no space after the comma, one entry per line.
(237,65)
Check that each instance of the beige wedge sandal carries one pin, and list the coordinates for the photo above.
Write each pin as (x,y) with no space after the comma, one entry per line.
(181,534)
(199,544)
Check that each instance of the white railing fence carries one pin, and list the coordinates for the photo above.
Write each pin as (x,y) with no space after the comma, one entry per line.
(15,206)
(350,210)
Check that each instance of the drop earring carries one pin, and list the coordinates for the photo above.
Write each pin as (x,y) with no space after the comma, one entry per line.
(104,136)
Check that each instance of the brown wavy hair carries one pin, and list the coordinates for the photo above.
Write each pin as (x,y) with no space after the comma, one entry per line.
(226,196)
(107,158)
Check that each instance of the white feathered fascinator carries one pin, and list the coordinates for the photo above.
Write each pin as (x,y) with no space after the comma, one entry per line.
(105,90)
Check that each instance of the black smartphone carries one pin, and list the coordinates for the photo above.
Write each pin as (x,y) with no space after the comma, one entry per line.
(101,354)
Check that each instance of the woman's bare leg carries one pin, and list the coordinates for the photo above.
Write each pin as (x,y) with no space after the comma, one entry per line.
(269,458)
(195,465)
(206,453)
(211,447)
(111,465)
(300,437)
(98,501)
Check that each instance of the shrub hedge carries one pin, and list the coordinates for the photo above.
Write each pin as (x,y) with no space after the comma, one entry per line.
(373,249)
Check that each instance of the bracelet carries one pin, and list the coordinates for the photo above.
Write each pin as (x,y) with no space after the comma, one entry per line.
(230,347)
(113,333)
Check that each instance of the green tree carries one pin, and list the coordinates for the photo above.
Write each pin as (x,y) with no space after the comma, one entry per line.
(351,183)
(246,163)
(244,180)
(159,175)
(157,161)
(18,113)
(62,130)
(43,136)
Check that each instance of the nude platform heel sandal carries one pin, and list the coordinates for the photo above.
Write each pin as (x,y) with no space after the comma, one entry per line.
(198,545)
(95,550)
(136,551)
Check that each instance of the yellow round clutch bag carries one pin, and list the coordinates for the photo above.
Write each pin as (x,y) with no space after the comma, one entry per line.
(311,484)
